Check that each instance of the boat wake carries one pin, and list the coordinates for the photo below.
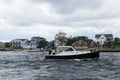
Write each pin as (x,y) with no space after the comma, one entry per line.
(77,59)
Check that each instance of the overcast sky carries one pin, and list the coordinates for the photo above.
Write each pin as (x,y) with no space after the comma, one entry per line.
(28,18)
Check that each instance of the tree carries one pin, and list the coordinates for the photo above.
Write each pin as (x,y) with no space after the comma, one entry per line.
(108,43)
(116,42)
(42,44)
(81,38)
(70,41)
(60,38)
(7,45)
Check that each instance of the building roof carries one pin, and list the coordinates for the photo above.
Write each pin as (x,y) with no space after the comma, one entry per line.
(40,38)
(106,35)
(21,39)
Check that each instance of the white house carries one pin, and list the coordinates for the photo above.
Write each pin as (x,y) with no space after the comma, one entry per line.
(1,44)
(35,41)
(19,43)
(25,43)
(102,38)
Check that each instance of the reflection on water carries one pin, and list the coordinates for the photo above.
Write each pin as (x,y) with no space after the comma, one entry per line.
(29,66)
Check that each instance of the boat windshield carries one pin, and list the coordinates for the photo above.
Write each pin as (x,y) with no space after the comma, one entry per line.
(69,49)
(60,49)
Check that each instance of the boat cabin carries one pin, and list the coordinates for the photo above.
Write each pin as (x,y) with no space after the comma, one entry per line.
(65,48)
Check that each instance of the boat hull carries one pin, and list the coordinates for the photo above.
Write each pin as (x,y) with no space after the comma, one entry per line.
(79,56)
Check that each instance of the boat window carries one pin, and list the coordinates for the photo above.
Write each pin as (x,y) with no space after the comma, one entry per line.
(69,49)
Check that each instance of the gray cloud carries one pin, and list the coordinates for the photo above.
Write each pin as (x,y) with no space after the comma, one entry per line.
(69,6)
(28,15)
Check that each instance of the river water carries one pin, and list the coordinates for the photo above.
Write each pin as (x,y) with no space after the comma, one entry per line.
(21,65)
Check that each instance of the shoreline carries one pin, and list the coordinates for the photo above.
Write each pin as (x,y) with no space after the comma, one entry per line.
(109,50)
(103,50)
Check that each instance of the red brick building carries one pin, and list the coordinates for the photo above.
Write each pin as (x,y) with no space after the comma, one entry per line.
(84,44)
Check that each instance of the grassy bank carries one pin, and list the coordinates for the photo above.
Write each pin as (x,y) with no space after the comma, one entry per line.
(99,49)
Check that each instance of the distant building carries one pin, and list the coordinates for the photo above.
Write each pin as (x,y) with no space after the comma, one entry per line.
(18,43)
(80,43)
(103,38)
(35,41)
(25,43)
(84,44)
(1,44)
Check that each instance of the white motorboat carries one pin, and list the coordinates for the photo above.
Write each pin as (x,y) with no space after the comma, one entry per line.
(68,52)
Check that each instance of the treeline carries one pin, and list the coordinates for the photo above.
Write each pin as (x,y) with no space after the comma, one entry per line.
(70,41)
(115,43)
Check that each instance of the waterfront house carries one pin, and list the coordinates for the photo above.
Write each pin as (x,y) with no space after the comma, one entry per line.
(1,44)
(35,41)
(80,43)
(18,43)
(25,43)
(84,44)
(103,38)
